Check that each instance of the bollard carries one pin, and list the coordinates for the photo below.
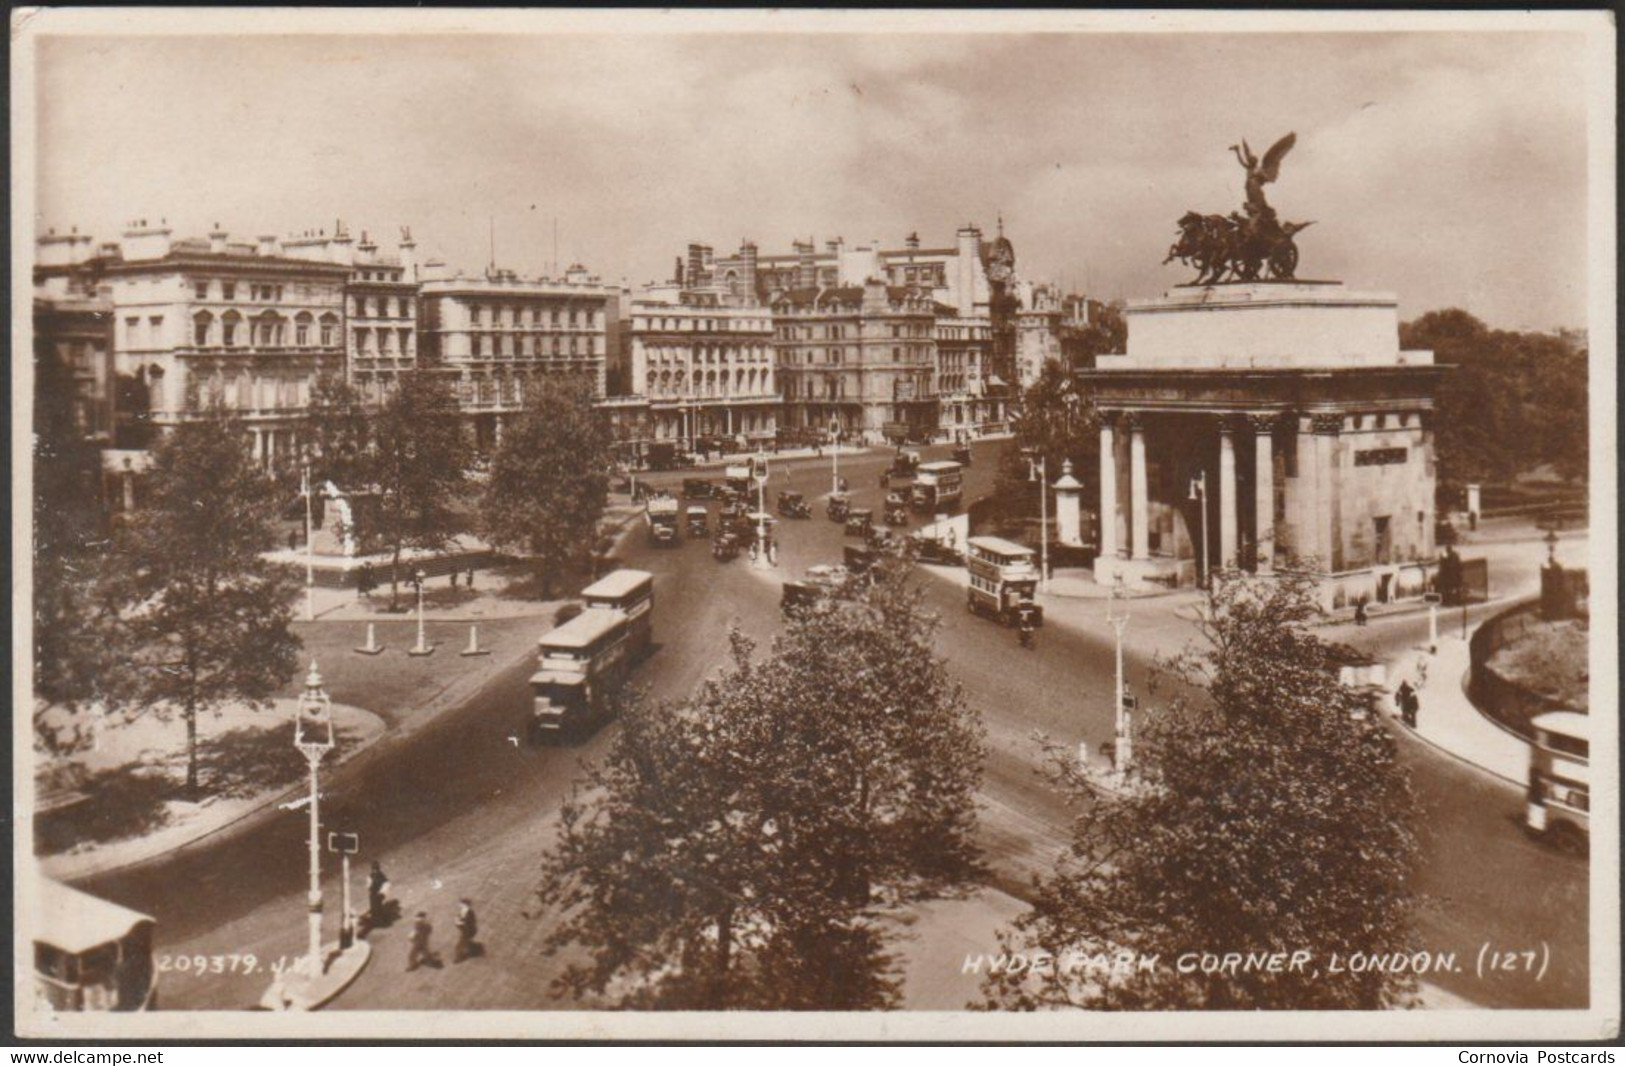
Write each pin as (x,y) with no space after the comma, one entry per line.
(474,643)
(372,646)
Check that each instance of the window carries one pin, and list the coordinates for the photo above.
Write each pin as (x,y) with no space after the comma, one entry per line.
(329,330)
(228,329)
(200,329)
(132,330)
(202,289)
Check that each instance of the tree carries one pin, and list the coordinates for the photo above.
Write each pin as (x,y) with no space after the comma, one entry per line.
(731,851)
(1273,815)
(419,463)
(338,430)
(205,618)
(550,479)
(1510,402)
(70,643)
(1058,422)
(1106,334)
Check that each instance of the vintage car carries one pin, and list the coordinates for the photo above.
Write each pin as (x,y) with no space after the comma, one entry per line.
(860,522)
(882,540)
(936,550)
(840,504)
(725,547)
(794,505)
(904,463)
(697,488)
(745,527)
(697,520)
(896,509)
(860,559)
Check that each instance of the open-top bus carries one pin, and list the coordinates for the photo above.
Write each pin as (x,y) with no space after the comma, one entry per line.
(1560,777)
(92,955)
(1003,579)
(582,663)
(938,485)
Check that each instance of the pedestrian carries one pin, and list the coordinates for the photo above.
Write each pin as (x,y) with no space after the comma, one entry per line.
(419,953)
(471,578)
(1359,613)
(467,927)
(1406,698)
(293,540)
(453,576)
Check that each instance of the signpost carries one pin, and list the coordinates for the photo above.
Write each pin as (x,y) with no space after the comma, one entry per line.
(345,845)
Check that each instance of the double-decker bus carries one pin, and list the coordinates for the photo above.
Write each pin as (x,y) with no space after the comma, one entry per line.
(92,955)
(1003,580)
(938,485)
(1560,777)
(632,592)
(583,663)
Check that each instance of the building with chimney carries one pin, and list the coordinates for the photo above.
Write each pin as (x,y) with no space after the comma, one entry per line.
(73,325)
(860,358)
(704,360)
(205,321)
(498,335)
(380,302)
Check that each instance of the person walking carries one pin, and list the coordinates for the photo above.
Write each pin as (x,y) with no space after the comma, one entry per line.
(1405,697)
(419,954)
(1359,613)
(467,927)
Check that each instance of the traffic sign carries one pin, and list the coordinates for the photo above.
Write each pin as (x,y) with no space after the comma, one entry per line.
(344,843)
(1130,703)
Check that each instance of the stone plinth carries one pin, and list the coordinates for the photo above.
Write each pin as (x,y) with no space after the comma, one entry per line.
(1264,325)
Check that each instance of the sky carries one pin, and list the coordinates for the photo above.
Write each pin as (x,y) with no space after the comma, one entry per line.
(1449,168)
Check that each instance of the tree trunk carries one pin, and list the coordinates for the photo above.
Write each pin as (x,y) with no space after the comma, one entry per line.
(191,752)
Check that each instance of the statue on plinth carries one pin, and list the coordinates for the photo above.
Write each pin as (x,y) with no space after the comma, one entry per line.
(1241,247)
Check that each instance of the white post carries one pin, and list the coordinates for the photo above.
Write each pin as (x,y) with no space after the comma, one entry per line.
(835,460)
(310,563)
(1121,751)
(347,928)
(1433,626)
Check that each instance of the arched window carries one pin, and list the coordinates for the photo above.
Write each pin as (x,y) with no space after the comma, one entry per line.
(268,332)
(330,327)
(202,327)
(228,328)
(301,329)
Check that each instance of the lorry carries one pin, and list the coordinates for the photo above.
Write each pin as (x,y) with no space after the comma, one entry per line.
(662,515)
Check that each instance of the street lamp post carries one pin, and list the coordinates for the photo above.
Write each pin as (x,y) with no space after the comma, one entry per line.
(310,563)
(1199,492)
(761,558)
(1117,615)
(1042,470)
(834,456)
(313,736)
(423,647)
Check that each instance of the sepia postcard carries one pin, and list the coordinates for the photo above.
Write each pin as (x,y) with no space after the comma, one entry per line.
(814,525)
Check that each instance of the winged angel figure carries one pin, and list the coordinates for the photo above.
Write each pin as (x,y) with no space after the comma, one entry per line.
(1239,247)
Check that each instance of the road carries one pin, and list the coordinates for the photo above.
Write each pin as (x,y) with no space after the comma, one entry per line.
(458,809)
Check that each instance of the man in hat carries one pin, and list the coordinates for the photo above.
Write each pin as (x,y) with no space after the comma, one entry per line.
(419,954)
(467,927)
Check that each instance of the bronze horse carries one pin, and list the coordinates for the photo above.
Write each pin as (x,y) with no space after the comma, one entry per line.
(1236,249)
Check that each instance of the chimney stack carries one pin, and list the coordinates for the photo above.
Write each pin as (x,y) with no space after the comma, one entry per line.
(268,244)
(217,240)
(747,256)
(806,271)
(409,255)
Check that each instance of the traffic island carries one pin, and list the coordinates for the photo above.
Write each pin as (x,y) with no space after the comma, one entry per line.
(294,989)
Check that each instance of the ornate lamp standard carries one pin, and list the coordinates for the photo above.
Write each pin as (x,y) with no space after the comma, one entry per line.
(1039,466)
(313,736)
(1122,751)
(759,557)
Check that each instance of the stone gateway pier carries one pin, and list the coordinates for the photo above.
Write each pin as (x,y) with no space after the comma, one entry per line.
(1287,411)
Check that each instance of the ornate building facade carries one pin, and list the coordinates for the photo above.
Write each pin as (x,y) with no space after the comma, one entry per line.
(704,361)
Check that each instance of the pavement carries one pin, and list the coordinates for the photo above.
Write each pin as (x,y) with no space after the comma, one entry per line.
(454,803)
(1449,721)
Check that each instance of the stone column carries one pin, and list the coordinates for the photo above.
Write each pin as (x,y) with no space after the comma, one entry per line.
(1139,504)
(1264,491)
(1327,427)
(1228,508)
(1108,488)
